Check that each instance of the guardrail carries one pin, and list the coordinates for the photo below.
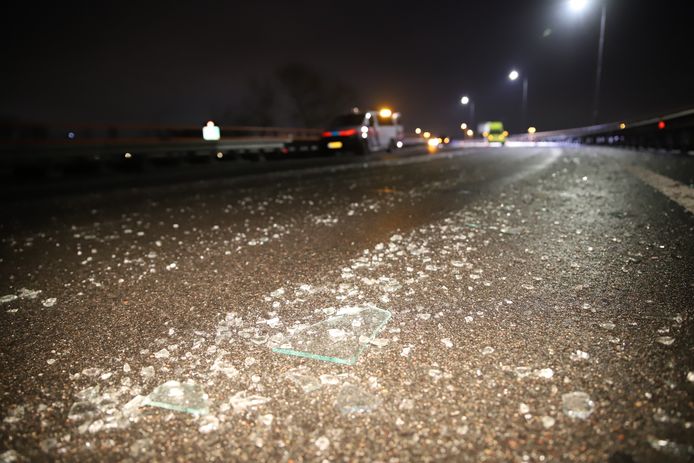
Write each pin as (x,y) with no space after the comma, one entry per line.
(672,132)
(31,145)
(27,147)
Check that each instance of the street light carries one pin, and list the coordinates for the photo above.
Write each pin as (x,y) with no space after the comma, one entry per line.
(514,75)
(578,6)
(465,101)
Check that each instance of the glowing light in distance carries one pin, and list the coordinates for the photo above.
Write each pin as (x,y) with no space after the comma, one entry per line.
(426,134)
(364,129)
(469,132)
(446,140)
(433,142)
(532,130)
(622,126)
(463,126)
(399,144)
(513,75)
(578,5)
(128,155)
(465,100)
(220,155)
(385,112)
(210,132)
(661,125)
(417,130)
(364,135)
(71,135)
(368,115)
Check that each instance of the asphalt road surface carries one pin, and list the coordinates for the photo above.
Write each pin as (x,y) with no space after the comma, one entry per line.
(540,304)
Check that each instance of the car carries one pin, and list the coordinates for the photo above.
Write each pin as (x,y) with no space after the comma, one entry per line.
(364,132)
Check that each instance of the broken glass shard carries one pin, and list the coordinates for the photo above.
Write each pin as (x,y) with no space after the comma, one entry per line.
(7,298)
(672,448)
(340,339)
(242,400)
(665,340)
(183,397)
(353,399)
(82,411)
(302,378)
(577,405)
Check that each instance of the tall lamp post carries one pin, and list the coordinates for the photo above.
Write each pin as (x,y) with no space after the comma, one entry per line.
(465,101)
(513,76)
(578,6)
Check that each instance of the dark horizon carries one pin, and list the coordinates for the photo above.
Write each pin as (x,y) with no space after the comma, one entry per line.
(157,63)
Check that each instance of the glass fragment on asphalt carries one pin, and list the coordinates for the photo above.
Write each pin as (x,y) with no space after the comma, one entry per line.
(225,367)
(579,355)
(547,422)
(607,326)
(340,339)
(14,414)
(353,399)
(546,373)
(665,340)
(577,405)
(208,424)
(25,293)
(182,397)
(671,448)
(301,377)
(242,401)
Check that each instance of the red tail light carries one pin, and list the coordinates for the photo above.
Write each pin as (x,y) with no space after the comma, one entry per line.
(341,133)
(661,125)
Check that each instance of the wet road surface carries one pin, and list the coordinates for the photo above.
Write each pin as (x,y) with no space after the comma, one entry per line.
(540,305)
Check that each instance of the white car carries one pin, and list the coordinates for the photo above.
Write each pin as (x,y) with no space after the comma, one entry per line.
(364,132)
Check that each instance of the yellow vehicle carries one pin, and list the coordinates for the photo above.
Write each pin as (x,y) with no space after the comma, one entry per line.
(495,132)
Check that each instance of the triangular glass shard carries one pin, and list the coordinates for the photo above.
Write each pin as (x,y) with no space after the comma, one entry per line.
(183,397)
(339,339)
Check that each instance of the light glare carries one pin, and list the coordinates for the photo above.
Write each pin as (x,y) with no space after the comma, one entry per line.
(578,5)
(513,75)
(465,100)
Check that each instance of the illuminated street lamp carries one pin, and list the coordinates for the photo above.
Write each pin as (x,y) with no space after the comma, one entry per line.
(578,6)
(463,126)
(465,101)
(513,76)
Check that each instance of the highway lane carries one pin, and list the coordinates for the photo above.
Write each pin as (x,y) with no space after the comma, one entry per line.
(540,304)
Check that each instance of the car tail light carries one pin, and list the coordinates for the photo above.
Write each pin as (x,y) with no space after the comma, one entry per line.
(347,133)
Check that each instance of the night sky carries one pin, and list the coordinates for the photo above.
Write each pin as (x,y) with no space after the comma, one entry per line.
(153,62)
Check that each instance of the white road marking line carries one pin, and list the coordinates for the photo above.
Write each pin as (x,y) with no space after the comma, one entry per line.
(676,191)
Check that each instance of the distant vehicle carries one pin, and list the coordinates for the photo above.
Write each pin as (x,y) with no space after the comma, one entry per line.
(494,132)
(364,132)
